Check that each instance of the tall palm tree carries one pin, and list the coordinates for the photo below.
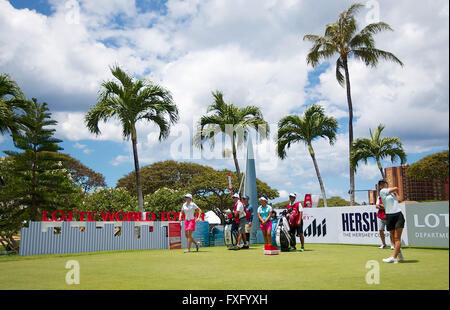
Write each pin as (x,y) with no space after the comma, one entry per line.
(377,148)
(231,121)
(312,125)
(131,100)
(341,38)
(11,98)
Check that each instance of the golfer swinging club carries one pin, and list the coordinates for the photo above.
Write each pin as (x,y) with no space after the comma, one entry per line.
(188,209)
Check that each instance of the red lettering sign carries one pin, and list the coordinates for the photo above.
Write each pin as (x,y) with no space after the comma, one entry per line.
(121,216)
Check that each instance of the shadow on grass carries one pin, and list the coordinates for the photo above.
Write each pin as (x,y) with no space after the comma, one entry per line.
(409,261)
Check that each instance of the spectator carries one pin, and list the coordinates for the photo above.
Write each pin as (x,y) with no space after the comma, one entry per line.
(240,217)
(296,223)
(249,217)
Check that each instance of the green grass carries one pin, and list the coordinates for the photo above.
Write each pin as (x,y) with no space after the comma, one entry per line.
(321,266)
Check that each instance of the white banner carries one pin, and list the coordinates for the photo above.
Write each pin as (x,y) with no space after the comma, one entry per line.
(346,225)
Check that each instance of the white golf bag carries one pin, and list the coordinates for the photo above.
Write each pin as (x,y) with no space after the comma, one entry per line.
(282,236)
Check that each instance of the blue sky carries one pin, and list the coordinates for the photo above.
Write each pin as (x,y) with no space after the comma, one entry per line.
(253,52)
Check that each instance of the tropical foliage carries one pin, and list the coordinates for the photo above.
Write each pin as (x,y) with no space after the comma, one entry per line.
(208,186)
(110,200)
(231,121)
(164,174)
(40,180)
(334,201)
(130,101)
(341,38)
(82,175)
(314,124)
(11,100)
(377,148)
(434,166)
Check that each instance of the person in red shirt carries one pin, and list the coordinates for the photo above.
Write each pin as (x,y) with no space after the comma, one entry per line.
(296,220)
(381,217)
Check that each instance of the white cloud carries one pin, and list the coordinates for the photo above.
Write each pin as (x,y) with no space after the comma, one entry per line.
(120,159)
(79,146)
(71,126)
(252,51)
(283,194)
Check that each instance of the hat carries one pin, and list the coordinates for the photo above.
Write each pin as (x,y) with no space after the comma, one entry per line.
(236,195)
(245,197)
(293,195)
(188,196)
(263,198)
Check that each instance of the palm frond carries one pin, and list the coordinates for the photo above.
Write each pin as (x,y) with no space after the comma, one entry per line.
(371,56)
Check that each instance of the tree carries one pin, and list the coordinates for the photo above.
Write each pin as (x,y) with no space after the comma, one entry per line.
(211,190)
(11,99)
(208,186)
(165,200)
(231,121)
(377,148)
(131,101)
(109,200)
(169,174)
(38,181)
(334,201)
(434,166)
(342,39)
(11,215)
(81,175)
(312,125)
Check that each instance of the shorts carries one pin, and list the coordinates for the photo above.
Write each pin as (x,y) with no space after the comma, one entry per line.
(396,220)
(381,224)
(297,230)
(266,226)
(242,222)
(189,225)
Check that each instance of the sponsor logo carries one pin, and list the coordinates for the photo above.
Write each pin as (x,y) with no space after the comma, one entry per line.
(431,220)
(359,222)
(316,229)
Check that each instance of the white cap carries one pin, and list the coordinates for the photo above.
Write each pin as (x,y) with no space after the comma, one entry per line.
(292,195)
(236,195)
(188,196)
(263,198)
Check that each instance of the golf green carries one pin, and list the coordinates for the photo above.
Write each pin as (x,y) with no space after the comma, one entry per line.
(319,267)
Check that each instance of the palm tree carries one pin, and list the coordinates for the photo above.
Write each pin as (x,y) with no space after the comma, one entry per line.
(11,98)
(131,100)
(312,125)
(231,121)
(342,39)
(377,148)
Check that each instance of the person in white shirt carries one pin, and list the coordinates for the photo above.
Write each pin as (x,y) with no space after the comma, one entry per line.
(395,221)
(189,208)
(241,220)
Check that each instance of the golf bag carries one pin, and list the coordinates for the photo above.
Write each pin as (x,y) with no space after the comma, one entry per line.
(230,231)
(282,236)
